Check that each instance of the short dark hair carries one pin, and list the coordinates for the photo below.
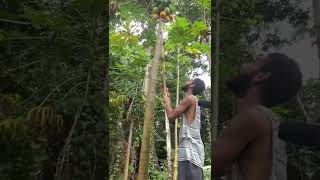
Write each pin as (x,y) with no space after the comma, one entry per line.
(284,82)
(199,86)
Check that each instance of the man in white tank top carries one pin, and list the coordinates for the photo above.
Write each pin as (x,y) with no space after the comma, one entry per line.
(249,148)
(191,149)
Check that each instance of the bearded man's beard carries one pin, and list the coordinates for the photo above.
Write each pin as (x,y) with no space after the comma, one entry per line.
(240,84)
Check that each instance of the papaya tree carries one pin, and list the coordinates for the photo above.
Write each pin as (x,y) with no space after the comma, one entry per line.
(132,45)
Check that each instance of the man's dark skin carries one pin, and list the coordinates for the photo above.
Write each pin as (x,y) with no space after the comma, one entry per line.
(187,104)
(248,138)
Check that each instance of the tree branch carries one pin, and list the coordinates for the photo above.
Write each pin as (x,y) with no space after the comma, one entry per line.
(14,22)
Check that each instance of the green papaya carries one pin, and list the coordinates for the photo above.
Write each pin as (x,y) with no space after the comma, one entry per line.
(155,10)
(167,10)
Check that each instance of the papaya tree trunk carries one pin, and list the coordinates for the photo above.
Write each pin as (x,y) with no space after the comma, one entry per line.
(127,159)
(153,154)
(150,108)
(168,134)
(175,163)
(146,79)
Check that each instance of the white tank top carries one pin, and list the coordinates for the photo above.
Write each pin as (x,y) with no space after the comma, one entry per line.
(191,147)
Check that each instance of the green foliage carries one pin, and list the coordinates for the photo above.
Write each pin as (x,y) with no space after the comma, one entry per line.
(131,52)
(52,72)
(207,172)
(161,175)
(131,11)
(44,117)
(180,31)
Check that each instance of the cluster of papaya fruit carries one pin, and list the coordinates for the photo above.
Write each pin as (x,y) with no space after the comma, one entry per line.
(162,10)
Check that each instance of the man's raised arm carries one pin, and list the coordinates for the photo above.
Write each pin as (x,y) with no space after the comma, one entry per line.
(227,148)
(180,109)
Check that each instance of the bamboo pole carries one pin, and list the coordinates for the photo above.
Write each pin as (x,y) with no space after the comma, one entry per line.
(168,135)
(175,163)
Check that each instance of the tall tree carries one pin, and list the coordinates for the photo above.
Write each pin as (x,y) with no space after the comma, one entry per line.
(150,105)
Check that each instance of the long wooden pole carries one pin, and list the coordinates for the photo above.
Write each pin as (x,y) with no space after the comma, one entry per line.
(175,163)
(168,135)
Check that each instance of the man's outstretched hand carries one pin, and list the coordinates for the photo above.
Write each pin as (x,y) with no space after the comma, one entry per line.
(166,95)
(182,107)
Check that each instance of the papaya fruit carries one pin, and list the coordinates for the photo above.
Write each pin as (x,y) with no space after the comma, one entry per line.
(168,18)
(155,10)
(167,10)
(163,14)
(155,16)
(171,17)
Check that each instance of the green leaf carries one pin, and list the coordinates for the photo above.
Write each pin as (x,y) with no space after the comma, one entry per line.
(132,11)
(198,26)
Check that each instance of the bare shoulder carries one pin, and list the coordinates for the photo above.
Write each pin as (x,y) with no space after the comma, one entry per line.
(258,119)
(189,98)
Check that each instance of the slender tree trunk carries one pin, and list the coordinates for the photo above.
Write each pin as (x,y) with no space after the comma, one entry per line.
(146,79)
(132,157)
(127,160)
(209,55)
(168,142)
(149,111)
(215,89)
(175,162)
(168,134)
(316,14)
